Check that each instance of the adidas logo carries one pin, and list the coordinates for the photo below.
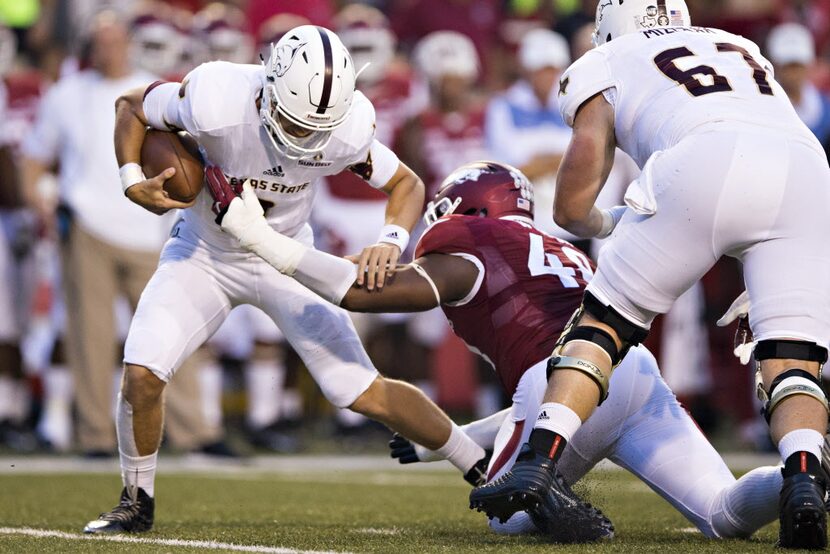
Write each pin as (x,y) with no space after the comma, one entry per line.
(543,416)
(274,172)
(392,235)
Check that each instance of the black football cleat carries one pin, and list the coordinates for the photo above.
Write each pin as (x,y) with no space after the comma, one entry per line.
(534,485)
(134,514)
(802,513)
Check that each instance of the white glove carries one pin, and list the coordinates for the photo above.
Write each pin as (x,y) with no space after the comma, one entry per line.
(245,217)
(738,309)
(610,218)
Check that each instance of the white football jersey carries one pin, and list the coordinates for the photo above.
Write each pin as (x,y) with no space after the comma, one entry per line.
(665,83)
(217,105)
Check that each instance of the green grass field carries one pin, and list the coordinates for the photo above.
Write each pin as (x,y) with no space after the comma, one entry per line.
(325,510)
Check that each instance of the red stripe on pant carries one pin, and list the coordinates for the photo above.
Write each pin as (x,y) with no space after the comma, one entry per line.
(509,449)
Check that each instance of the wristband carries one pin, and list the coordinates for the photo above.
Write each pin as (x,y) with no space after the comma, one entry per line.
(394,234)
(130,173)
(610,218)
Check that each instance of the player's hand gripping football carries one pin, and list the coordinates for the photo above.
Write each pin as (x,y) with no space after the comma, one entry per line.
(150,194)
(376,264)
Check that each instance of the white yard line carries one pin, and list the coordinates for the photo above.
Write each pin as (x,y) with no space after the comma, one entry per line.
(205,545)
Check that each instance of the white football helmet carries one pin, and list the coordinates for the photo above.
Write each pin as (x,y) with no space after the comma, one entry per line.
(366,33)
(620,17)
(309,84)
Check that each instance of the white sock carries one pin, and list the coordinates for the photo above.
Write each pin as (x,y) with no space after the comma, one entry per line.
(748,504)
(210,385)
(139,471)
(55,423)
(558,418)
(264,380)
(460,450)
(136,470)
(807,440)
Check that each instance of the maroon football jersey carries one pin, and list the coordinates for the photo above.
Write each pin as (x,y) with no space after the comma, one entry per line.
(531,285)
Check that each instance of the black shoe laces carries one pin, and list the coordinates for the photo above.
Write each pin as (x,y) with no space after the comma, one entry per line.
(127,510)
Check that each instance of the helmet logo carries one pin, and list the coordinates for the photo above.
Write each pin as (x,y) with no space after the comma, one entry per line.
(284,57)
(606,4)
(656,16)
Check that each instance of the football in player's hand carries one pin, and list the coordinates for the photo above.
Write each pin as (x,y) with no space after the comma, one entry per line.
(161,150)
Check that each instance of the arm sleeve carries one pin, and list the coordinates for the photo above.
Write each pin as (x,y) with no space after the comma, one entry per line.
(43,142)
(588,76)
(379,165)
(161,106)
(372,161)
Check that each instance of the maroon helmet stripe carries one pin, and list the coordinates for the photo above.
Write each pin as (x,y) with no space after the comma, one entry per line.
(327,78)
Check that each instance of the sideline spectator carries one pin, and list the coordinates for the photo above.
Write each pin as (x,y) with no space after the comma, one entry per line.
(791,49)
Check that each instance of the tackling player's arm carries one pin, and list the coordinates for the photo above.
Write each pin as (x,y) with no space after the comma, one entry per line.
(130,126)
(584,170)
(426,283)
(411,291)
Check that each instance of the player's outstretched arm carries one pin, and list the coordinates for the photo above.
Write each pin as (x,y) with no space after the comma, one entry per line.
(422,285)
(584,170)
(130,126)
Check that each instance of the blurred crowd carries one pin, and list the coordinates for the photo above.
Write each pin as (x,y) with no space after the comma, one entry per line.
(452,81)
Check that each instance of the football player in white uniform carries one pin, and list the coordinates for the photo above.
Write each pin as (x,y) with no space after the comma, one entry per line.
(727,169)
(281,126)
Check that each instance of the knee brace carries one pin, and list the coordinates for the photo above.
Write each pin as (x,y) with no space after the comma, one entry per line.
(793,381)
(628,333)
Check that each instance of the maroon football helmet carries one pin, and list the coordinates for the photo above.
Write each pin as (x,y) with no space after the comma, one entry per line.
(483,189)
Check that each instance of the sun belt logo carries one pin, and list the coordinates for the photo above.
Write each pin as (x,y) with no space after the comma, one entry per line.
(274,172)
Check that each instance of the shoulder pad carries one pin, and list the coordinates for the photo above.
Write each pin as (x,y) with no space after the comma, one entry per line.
(586,77)
(449,235)
(217,95)
(358,131)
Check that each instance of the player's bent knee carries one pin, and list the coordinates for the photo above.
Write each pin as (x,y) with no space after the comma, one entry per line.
(141,386)
(794,381)
(628,334)
(372,403)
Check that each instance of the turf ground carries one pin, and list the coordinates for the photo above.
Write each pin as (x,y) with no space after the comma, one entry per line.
(314,504)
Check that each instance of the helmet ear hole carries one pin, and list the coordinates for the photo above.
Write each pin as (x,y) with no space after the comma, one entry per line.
(471,211)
